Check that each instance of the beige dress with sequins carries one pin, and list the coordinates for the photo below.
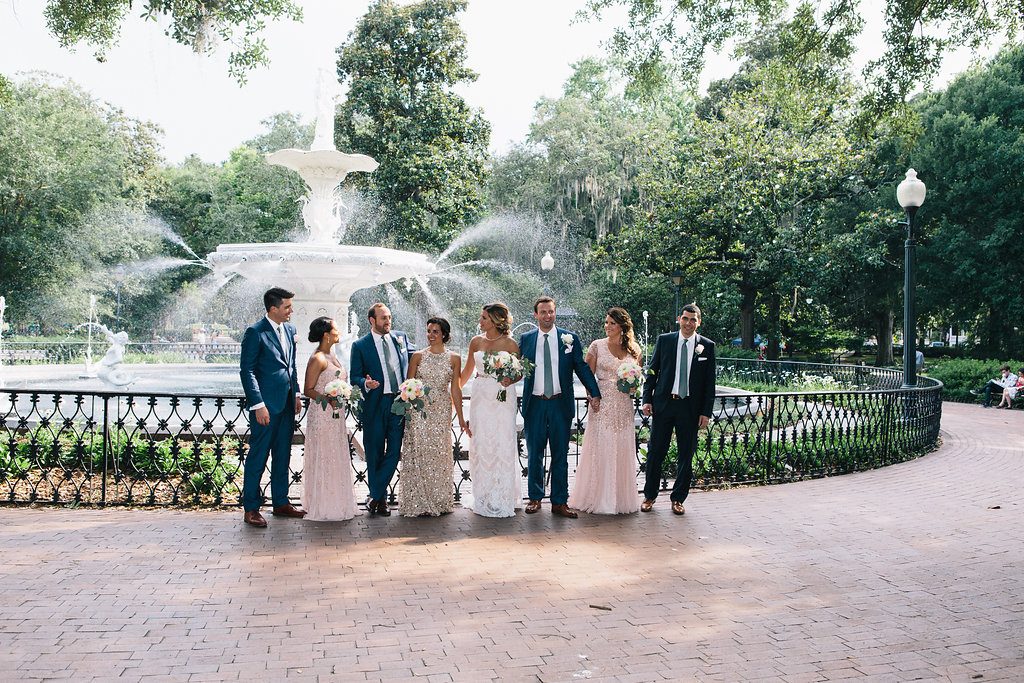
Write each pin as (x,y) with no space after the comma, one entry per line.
(425,485)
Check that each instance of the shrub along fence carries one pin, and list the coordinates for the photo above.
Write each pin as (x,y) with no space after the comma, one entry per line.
(116,448)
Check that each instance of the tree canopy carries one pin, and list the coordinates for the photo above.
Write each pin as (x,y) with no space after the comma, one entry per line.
(668,39)
(401,64)
(194,23)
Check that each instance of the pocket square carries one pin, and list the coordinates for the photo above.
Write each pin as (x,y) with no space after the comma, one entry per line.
(700,360)
(568,351)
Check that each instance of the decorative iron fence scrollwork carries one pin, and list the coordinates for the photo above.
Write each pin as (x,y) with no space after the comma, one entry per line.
(117,448)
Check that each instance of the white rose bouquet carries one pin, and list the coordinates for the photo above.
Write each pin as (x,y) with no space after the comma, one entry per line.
(502,365)
(337,394)
(412,394)
(630,377)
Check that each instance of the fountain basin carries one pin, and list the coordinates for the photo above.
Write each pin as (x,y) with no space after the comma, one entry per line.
(323,276)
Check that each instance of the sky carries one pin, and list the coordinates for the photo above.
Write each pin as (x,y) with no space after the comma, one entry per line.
(522,51)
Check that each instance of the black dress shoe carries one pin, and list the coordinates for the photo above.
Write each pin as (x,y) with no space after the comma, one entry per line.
(371,506)
(382,509)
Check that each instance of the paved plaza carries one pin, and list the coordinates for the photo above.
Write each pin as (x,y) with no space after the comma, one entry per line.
(911,572)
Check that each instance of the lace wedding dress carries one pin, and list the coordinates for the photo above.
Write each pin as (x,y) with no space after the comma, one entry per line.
(493,454)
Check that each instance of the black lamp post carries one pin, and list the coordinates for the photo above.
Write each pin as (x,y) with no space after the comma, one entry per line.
(677,280)
(910,194)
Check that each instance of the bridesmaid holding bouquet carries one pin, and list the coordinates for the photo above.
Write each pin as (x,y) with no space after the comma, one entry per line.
(606,476)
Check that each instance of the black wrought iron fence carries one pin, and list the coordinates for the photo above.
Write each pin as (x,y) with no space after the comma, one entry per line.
(110,448)
(792,374)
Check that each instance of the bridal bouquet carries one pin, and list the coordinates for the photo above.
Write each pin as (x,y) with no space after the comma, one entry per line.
(503,365)
(337,394)
(412,393)
(630,377)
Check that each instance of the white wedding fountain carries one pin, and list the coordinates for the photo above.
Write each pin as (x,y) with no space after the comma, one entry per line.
(322,273)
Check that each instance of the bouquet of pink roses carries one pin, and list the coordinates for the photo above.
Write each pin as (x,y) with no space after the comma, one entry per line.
(502,365)
(630,377)
(412,394)
(337,393)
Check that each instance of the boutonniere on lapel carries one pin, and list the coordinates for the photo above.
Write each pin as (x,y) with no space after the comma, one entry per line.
(567,342)
(698,349)
(295,339)
(400,342)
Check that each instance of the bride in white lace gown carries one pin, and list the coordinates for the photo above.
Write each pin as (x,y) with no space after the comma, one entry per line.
(494,467)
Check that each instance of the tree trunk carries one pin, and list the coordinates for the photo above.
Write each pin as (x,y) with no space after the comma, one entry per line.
(774,306)
(883,327)
(748,297)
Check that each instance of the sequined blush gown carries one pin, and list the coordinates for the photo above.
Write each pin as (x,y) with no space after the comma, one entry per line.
(606,474)
(425,485)
(327,492)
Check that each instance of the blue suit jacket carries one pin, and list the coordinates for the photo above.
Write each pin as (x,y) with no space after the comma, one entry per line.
(266,377)
(365,361)
(568,363)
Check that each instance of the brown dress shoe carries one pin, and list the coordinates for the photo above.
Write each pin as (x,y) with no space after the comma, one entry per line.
(647,505)
(564,511)
(532,506)
(371,506)
(255,519)
(677,508)
(288,510)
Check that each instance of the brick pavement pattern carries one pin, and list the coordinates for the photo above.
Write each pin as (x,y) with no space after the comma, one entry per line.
(904,573)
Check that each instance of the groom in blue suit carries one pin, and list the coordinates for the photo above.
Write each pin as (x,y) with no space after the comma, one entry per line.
(549,404)
(271,385)
(378,366)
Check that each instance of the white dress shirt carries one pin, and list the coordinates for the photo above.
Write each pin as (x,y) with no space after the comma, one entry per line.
(556,353)
(378,342)
(690,343)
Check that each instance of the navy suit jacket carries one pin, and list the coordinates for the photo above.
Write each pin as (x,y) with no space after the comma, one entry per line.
(658,387)
(568,363)
(266,377)
(365,361)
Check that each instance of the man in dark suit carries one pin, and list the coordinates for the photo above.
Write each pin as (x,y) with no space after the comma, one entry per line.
(378,366)
(271,386)
(680,394)
(549,404)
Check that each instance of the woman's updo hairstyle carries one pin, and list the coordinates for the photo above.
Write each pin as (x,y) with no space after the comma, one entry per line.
(500,316)
(319,327)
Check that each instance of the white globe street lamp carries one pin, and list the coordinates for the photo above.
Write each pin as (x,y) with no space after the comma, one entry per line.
(910,193)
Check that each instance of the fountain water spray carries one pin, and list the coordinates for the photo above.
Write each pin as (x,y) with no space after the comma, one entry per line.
(322,273)
(89,370)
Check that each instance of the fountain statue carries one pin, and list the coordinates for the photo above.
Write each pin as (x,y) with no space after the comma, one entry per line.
(322,273)
(109,368)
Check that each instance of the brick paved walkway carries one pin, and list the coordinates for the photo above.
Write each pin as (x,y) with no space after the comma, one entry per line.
(908,572)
